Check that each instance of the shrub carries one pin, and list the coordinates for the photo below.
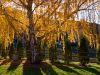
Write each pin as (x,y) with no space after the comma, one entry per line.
(68,53)
(84,51)
(39,56)
(11,50)
(0,50)
(52,53)
(20,49)
(98,55)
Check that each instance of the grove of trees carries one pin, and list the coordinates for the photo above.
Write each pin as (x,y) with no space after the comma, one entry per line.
(28,26)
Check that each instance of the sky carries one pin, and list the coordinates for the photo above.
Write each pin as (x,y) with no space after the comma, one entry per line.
(81,15)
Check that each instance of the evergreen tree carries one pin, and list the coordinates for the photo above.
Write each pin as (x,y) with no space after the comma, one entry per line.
(20,49)
(0,50)
(98,55)
(84,51)
(68,53)
(52,53)
(38,46)
(11,51)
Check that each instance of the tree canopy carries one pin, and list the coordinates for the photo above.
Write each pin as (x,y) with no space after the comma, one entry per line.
(50,18)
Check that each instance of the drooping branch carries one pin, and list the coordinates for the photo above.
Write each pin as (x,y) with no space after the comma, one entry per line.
(38,5)
(17,3)
(23,3)
(5,13)
(87,8)
(51,12)
(78,9)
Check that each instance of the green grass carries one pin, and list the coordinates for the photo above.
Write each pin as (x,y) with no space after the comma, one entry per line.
(48,69)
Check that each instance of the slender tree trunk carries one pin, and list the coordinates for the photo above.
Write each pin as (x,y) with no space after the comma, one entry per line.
(31,30)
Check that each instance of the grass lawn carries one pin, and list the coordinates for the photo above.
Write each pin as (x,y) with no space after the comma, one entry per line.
(20,68)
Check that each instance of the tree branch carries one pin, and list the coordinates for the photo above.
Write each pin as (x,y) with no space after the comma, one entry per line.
(91,4)
(17,3)
(38,6)
(48,10)
(5,13)
(24,5)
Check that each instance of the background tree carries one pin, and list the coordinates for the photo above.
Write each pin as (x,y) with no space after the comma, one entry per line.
(52,53)
(68,53)
(98,55)
(84,51)
(38,20)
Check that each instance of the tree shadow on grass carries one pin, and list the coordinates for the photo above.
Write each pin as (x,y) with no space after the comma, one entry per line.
(92,70)
(5,62)
(13,66)
(97,67)
(66,68)
(47,69)
(31,69)
(38,69)
(89,68)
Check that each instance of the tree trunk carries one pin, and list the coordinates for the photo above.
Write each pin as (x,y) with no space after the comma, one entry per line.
(34,55)
(31,30)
